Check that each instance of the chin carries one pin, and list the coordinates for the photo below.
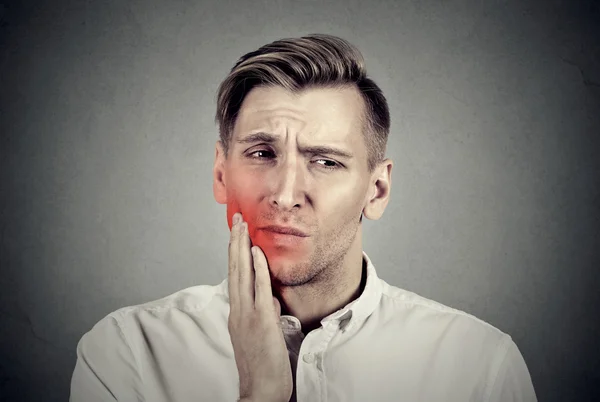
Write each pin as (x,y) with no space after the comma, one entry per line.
(285,257)
(287,272)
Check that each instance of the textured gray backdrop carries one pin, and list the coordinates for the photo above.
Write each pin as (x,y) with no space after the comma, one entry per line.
(107,147)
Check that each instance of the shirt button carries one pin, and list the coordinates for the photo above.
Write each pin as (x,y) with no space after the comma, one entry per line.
(308,358)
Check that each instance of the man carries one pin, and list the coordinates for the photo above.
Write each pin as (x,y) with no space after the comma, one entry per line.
(302,315)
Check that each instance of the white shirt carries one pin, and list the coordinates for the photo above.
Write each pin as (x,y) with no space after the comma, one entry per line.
(387,345)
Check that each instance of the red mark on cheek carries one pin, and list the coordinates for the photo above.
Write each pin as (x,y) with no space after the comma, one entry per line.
(272,244)
(248,214)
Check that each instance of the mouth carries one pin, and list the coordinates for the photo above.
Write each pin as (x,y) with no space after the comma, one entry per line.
(285,230)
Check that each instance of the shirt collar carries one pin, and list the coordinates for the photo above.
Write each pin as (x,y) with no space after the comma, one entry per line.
(362,307)
(357,310)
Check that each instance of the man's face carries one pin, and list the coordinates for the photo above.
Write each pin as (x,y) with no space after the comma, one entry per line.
(275,174)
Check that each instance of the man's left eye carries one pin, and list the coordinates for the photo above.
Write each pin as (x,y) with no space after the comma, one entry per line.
(332,164)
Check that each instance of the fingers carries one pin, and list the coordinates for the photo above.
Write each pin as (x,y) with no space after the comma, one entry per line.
(277,306)
(263,294)
(245,270)
(249,279)
(233,275)
(241,272)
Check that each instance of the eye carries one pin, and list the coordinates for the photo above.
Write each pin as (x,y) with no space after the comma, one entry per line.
(263,151)
(332,165)
(267,154)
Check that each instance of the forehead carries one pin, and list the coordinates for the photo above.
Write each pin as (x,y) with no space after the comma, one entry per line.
(327,114)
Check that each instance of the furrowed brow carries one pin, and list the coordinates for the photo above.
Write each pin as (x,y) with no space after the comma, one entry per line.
(257,137)
(314,149)
(325,150)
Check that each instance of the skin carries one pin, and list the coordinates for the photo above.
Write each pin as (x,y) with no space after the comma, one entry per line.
(323,194)
(260,351)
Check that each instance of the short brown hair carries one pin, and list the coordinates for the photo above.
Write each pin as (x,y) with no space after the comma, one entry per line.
(295,64)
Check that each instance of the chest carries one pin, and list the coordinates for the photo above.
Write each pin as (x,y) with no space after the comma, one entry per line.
(386,372)
(323,371)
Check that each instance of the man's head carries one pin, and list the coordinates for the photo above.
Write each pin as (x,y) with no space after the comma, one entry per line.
(302,142)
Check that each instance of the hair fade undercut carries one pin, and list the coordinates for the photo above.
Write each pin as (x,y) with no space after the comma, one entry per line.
(296,64)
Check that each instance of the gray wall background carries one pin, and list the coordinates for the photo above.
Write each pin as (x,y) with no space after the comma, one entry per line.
(108,139)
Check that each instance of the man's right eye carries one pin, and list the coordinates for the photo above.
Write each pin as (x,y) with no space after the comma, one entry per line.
(265,154)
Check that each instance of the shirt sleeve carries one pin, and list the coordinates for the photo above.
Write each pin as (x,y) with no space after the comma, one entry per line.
(105,369)
(513,382)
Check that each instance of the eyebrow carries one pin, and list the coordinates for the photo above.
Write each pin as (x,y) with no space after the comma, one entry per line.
(314,149)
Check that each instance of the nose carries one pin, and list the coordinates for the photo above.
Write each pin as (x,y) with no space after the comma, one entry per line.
(288,186)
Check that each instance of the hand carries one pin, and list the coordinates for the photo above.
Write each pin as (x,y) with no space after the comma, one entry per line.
(260,351)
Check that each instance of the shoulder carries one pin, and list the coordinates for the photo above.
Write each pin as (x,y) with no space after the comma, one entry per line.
(110,354)
(448,335)
(403,303)
(171,311)
(189,300)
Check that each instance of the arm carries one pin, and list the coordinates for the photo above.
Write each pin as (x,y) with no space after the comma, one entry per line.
(512,382)
(105,369)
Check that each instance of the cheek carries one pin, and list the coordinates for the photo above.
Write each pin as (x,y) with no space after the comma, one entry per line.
(341,211)
(243,196)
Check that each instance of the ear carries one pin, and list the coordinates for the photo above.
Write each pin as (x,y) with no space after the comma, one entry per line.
(380,190)
(219,179)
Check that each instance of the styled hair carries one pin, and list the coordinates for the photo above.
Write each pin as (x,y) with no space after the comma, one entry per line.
(296,64)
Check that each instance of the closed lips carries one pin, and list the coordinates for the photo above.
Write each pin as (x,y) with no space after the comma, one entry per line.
(285,230)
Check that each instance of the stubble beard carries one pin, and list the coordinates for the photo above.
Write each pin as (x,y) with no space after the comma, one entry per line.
(322,267)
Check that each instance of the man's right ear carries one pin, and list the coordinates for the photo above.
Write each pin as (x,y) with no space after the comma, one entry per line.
(219,184)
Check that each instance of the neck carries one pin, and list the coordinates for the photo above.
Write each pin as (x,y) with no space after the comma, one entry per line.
(341,285)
